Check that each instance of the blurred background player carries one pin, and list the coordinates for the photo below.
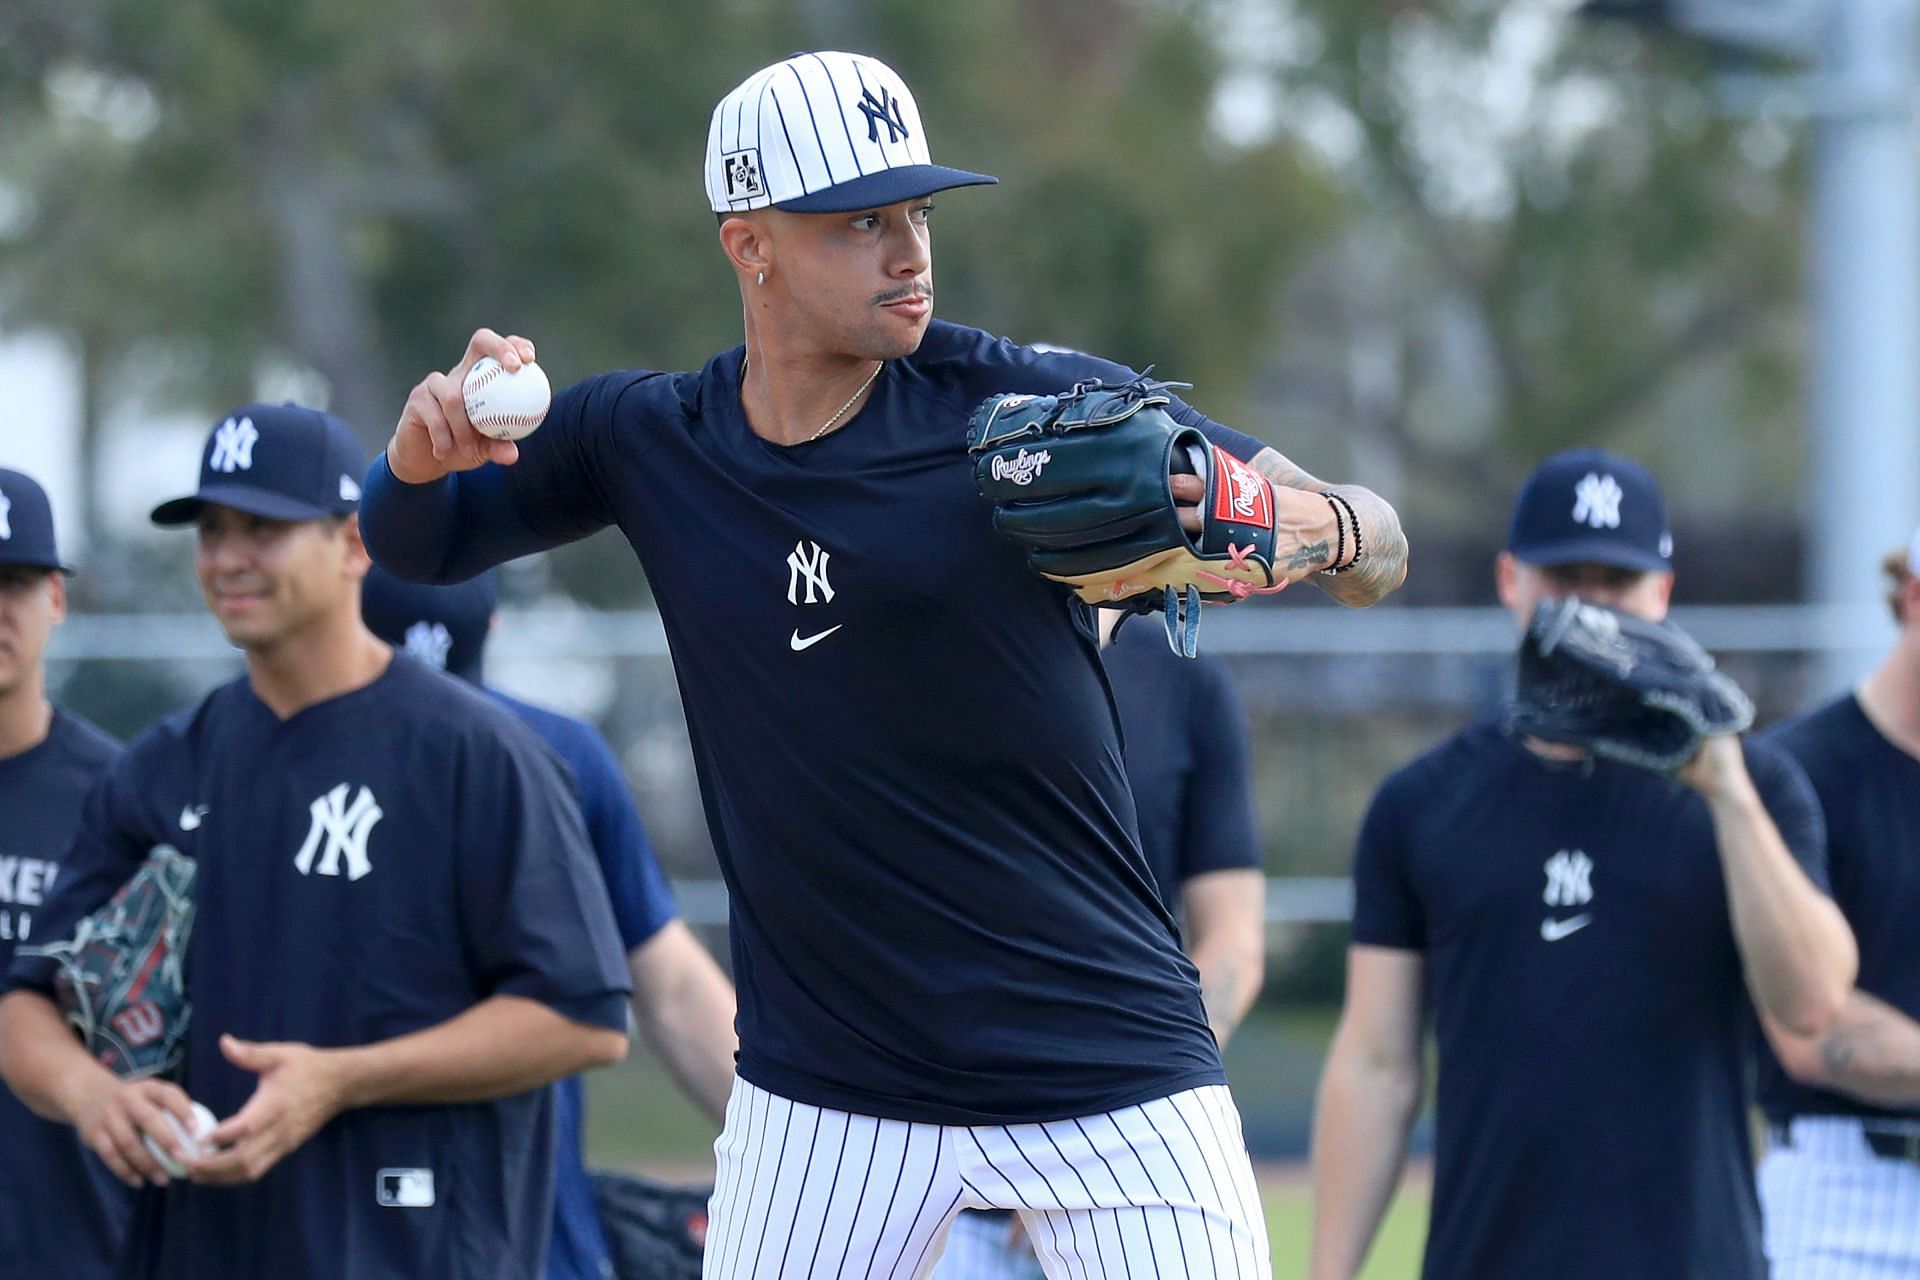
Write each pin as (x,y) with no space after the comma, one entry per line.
(1578,931)
(1190,768)
(61,1213)
(400,936)
(682,1002)
(1840,1186)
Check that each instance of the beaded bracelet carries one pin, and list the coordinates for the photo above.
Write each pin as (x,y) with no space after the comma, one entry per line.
(1353,516)
(1339,535)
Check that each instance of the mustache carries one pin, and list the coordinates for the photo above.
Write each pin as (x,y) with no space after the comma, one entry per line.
(902,294)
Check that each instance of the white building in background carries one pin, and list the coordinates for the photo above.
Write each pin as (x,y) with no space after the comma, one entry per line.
(149,456)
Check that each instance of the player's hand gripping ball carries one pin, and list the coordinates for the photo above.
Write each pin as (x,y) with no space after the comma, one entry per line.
(503,405)
(203,1124)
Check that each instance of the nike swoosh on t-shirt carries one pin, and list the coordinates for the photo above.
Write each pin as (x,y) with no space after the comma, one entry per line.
(1554,930)
(807,642)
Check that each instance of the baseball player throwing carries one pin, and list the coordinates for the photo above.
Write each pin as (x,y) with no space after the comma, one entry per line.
(958,987)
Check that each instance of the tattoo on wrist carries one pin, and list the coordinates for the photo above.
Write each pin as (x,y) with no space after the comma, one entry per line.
(1311,556)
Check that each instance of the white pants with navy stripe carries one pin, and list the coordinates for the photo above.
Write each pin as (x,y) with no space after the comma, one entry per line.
(1836,1211)
(809,1193)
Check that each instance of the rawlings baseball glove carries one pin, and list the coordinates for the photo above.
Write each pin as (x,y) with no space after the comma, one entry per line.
(1080,480)
(1635,691)
(654,1231)
(121,980)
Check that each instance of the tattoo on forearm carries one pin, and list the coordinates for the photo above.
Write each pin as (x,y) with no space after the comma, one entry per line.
(1837,1053)
(1220,994)
(1383,564)
(1310,557)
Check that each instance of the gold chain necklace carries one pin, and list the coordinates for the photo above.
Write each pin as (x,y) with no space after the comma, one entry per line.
(838,413)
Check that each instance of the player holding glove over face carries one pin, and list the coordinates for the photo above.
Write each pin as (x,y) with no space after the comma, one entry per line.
(1586,936)
(949,952)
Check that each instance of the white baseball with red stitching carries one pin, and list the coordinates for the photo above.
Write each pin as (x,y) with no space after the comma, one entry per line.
(506,406)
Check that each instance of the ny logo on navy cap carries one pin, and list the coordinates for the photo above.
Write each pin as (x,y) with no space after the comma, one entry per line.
(822,133)
(281,461)
(1588,506)
(26,524)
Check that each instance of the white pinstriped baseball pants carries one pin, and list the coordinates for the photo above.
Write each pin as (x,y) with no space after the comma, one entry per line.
(809,1193)
(1836,1211)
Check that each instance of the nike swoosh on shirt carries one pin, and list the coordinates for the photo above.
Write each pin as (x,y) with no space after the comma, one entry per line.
(800,642)
(1554,930)
(190,817)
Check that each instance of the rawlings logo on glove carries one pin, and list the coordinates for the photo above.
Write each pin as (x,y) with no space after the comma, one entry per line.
(1093,506)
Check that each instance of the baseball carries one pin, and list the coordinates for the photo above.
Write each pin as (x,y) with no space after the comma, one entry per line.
(506,406)
(203,1124)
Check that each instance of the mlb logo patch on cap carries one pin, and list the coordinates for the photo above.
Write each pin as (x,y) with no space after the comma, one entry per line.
(822,133)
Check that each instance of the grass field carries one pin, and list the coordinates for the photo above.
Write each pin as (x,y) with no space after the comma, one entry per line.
(638,1120)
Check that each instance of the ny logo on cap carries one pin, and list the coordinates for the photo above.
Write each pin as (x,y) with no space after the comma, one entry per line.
(743,174)
(6,523)
(233,442)
(1596,501)
(882,110)
(429,642)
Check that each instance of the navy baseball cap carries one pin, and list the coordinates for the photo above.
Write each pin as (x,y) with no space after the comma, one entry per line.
(1588,506)
(26,524)
(444,627)
(824,132)
(281,461)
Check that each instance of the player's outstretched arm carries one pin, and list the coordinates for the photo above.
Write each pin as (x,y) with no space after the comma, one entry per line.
(503,1045)
(1796,948)
(1369,1099)
(685,1007)
(1872,1051)
(54,1075)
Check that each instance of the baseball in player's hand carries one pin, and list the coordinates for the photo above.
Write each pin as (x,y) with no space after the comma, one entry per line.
(115,1121)
(299,1091)
(434,437)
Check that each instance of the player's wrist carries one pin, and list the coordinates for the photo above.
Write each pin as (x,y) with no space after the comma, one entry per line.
(409,470)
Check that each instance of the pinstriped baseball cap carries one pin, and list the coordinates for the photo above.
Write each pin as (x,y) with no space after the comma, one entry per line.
(822,133)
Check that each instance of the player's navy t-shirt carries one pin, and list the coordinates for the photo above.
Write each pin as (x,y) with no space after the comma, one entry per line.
(372,866)
(642,904)
(1588,1004)
(61,1212)
(1869,790)
(1187,756)
(906,747)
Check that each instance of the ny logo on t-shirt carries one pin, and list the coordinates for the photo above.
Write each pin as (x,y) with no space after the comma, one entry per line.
(339,830)
(808,564)
(1569,879)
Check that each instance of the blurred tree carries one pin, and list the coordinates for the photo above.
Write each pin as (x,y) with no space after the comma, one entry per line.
(1557,238)
(221,188)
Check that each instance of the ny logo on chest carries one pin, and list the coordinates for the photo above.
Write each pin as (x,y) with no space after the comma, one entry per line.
(338,832)
(1569,884)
